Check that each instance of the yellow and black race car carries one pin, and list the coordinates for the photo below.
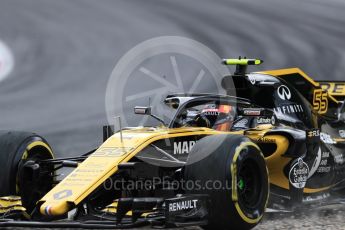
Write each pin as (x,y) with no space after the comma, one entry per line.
(220,163)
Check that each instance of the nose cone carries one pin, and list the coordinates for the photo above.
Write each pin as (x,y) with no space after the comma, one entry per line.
(55,209)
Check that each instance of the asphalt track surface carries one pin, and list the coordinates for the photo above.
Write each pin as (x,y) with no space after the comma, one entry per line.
(65,51)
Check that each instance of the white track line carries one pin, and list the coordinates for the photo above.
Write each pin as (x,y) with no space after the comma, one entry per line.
(6,61)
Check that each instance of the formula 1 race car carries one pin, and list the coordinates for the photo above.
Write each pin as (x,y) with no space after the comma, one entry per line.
(220,163)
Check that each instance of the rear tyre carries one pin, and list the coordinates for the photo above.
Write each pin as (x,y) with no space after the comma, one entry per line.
(232,171)
(20,173)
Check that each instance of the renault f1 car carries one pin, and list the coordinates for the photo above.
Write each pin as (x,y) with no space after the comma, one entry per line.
(220,163)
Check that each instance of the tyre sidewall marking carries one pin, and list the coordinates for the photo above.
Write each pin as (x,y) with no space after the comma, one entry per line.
(233,169)
(25,156)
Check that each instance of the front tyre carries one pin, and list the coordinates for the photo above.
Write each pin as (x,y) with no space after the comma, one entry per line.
(20,172)
(237,164)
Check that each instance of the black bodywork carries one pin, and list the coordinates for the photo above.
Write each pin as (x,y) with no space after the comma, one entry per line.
(312,136)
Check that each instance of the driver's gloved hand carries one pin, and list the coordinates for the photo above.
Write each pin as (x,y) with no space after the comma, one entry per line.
(202,121)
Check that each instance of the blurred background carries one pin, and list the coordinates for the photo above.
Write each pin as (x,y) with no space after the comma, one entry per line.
(64,51)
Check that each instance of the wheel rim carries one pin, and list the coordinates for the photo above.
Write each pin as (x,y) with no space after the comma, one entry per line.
(248,185)
(32,186)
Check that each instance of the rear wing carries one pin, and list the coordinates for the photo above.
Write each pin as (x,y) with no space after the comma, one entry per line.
(334,88)
(324,96)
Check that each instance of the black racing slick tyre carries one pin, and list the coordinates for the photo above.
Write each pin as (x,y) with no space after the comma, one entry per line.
(20,174)
(232,171)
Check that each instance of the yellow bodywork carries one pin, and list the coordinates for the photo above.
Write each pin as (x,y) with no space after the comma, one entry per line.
(11,203)
(103,163)
(275,161)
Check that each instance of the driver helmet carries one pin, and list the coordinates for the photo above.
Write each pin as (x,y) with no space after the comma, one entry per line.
(219,117)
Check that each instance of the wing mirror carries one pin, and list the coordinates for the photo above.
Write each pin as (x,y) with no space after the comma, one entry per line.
(141,110)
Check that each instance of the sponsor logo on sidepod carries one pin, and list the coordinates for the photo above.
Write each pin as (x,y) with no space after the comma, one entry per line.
(183,147)
(298,174)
